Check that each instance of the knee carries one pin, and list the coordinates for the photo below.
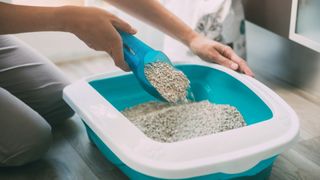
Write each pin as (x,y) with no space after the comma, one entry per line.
(57,109)
(60,115)
(31,149)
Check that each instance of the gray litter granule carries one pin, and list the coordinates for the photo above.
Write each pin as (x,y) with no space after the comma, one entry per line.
(170,123)
(169,82)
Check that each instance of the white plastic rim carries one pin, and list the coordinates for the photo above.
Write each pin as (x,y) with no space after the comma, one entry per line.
(232,151)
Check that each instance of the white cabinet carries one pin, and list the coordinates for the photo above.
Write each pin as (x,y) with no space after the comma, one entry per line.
(305,23)
(297,20)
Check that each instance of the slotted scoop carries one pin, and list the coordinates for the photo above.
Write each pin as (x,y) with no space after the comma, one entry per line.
(137,54)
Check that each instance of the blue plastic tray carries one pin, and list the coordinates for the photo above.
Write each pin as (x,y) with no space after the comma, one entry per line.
(207,84)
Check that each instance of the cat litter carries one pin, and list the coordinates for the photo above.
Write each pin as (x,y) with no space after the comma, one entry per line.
(170,83)
(170,123)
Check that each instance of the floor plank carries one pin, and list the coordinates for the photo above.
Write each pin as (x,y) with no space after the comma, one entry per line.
(310,149)
(307,111)
(74,131)
(302,160)
(294,165)
(61,162)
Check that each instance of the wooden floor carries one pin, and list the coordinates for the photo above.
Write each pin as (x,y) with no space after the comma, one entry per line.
(72,156)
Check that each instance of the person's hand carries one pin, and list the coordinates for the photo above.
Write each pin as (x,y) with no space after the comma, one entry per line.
(98,29)
(216,52)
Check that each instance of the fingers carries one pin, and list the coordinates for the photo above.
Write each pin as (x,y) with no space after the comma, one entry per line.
(231,56)
(244,68)
(122,25)
(226,62)
(117,49)
(117,53)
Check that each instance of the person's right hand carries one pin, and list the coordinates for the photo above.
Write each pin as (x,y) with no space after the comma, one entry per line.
(98,29)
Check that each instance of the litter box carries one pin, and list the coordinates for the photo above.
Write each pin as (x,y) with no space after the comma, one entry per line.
(243,153)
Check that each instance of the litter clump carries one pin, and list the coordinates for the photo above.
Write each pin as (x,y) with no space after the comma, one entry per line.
(170,83)
(166,122)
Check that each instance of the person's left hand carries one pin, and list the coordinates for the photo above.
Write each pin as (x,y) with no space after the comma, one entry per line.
(216,52)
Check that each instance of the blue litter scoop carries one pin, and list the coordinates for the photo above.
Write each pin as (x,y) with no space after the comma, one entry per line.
(137,54)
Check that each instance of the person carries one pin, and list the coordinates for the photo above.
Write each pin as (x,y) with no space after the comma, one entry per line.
(31,86)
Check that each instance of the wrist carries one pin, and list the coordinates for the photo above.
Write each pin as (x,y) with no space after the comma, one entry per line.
(63,18)
(189,37)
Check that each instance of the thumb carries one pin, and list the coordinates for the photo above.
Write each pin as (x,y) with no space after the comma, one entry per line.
(124,26)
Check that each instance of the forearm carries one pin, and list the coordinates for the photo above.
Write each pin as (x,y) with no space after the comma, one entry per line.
(152,12)
(18,19)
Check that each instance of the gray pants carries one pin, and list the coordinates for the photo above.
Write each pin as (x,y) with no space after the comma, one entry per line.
(30,102)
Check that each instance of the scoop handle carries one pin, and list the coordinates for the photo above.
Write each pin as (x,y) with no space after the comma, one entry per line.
(134,50)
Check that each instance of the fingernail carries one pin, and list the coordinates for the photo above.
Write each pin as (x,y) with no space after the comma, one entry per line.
(250,73)
(234,66)
(134,30)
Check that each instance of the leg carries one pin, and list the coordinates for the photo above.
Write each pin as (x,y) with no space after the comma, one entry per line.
(24,134)
(33,79)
